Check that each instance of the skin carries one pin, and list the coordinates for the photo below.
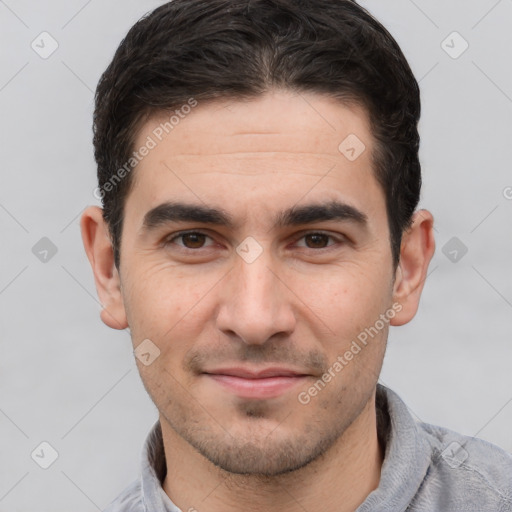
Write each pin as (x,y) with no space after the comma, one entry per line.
(300,304)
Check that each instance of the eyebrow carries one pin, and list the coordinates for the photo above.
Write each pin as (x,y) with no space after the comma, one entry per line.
(169,212)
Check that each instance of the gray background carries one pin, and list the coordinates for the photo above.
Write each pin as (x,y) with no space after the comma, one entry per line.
(67,379)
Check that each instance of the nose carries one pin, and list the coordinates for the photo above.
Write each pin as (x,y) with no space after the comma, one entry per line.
(255,302)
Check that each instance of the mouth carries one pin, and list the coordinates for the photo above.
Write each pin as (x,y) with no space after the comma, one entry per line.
(256,383)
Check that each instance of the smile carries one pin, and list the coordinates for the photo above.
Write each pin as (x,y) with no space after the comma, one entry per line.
(268,383)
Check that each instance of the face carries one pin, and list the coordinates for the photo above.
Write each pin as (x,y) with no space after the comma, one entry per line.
(276,262)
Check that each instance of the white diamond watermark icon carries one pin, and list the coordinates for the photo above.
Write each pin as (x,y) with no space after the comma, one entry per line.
(44,455)
(249,250)
(44,45)
(147,352)
(454,45)
(352,147)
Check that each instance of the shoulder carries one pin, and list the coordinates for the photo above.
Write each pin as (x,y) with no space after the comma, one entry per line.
(129,500)
(467,471)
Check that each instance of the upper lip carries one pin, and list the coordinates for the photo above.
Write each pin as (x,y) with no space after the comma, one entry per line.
(247,373)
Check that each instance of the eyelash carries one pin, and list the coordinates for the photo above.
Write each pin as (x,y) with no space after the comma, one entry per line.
(181,234)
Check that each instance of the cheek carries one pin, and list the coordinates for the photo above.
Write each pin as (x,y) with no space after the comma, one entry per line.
(346,296)
(346,306)
(152,303)
(166,305)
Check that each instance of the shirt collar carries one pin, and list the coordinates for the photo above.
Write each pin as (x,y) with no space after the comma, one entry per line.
(407,457)
(154,469)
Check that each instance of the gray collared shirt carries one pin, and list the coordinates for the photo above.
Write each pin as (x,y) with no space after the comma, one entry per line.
(426,469)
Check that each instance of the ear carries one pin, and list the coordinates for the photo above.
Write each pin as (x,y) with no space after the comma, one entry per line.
(416,252)
(98,246)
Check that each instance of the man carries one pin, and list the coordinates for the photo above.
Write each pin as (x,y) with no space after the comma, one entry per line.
(258,167)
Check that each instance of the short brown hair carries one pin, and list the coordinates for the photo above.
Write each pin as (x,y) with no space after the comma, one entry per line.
(209,49)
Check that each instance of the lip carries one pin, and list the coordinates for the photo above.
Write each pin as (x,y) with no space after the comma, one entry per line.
(261,384)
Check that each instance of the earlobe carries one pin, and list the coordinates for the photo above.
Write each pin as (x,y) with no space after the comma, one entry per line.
(98,248)
(416,252)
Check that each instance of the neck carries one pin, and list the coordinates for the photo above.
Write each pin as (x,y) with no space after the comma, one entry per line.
(339,481)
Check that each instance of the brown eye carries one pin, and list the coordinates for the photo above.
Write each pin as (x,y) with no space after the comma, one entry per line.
(191,240)
(318,240)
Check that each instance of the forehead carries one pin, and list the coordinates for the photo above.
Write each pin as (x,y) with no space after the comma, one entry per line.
(284,120)
(277,145)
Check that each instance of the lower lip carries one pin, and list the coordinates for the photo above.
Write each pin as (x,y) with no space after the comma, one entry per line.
(268,387)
